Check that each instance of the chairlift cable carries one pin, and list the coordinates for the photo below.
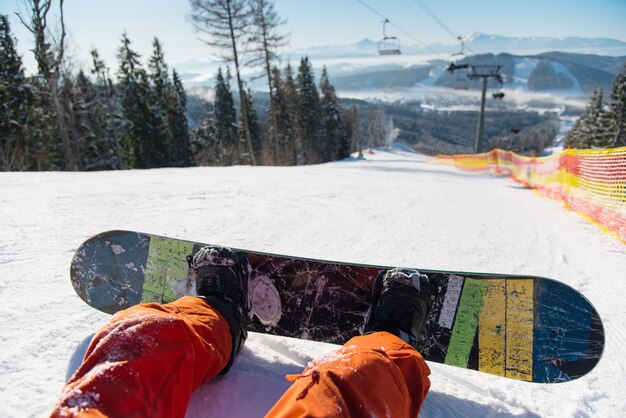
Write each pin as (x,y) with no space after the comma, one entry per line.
(435,17)
(397,27)
(439,21)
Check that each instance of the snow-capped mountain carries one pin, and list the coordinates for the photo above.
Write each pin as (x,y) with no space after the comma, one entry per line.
(482,43)
(530,68)
(479,43)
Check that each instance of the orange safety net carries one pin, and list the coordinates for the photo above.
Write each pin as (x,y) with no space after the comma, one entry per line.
(590,182)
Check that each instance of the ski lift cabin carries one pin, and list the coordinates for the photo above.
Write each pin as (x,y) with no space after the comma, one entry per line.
(389,45)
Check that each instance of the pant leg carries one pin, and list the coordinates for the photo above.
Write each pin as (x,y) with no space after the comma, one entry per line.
(371,375)
(147,360)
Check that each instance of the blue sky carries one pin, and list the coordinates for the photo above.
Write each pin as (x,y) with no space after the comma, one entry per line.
(100,23)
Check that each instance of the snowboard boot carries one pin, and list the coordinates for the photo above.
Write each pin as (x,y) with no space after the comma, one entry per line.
(401,301)
(222,280)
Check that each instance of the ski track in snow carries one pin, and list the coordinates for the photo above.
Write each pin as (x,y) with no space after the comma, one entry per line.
(390,209)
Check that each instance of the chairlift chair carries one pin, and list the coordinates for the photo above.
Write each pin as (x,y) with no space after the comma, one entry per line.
(460,81)
(462,47)
(389,45)
(458,73)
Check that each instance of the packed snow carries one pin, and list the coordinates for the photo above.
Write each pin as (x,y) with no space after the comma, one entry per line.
(392,208)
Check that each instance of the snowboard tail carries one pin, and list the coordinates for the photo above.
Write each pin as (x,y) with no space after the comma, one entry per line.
(520,327)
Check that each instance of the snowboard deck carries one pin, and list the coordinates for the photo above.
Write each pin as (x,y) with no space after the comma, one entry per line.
(520,327)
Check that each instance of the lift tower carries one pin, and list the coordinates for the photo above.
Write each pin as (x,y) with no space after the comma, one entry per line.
(477,72)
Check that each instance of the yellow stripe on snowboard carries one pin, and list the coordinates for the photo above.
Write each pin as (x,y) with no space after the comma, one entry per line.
(519,319)
(492,330)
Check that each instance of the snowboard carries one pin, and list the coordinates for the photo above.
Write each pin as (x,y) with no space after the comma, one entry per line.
(520,327)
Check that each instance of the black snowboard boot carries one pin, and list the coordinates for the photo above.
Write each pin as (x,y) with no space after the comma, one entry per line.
(222,280)
(401,301)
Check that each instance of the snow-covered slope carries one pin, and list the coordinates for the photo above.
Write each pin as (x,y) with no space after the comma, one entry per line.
(524,68)
(391,209)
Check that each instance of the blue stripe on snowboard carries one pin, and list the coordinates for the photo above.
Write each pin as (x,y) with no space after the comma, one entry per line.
(120,270)
(560,310)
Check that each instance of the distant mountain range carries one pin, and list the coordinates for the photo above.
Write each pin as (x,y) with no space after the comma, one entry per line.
(568,67)
(494,43)
(556,73)
(479,43)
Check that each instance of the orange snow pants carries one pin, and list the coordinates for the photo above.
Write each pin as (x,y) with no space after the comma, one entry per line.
(147,360)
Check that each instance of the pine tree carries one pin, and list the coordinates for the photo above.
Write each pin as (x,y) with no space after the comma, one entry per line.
(15,103)
(89,125)
(335,143)
(91,152)
(151,133)
(288,125)
(253,123)
(602,125)
(42,141)
(204,140)
(595,130)
(141,123)
(617,110)
(308,114)
(352,128)
(224,24)
(108,115)
(225,122)
(160,87)
(180,147)
(275,145)
(574,137)
(391,133)
(605,132)
(376,127)
(50,57)
(587,131)
(281,121)
(128,80)
(266,40)
(70,101)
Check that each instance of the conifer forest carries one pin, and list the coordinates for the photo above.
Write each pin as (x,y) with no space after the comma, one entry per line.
(135,116)
(603,123)
(134,113)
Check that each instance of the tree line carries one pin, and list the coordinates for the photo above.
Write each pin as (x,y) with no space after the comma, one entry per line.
(59,119)
(603,123)
(305,124)
(453,132)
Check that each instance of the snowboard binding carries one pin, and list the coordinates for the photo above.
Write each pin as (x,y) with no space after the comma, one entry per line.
(222,280)
(401,301)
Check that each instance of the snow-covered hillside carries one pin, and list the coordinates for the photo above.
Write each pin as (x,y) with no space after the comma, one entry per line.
(524,68)
(392,208)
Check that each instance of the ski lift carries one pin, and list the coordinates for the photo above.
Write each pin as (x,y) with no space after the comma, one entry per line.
(458,72)
(498,95)
(389,45)
(460,81)
(462,47)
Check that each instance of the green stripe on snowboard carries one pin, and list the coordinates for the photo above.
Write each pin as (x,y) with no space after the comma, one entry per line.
(166,270)
(466,323)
